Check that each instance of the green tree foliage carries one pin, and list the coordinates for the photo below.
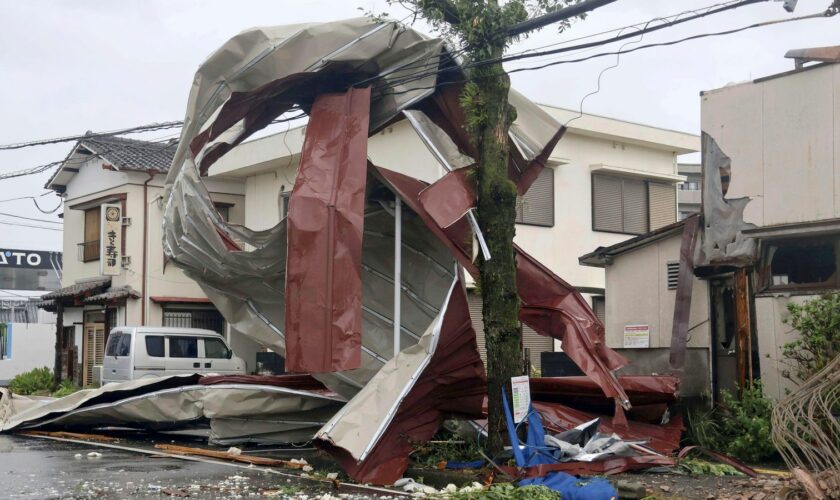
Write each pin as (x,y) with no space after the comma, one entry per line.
(818,322)
(739,427)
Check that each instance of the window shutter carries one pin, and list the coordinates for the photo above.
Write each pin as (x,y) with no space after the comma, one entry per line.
(478,323)
(536,207)
(673,269)
(606,203)
(599,305)
(635,207)
(663,204)
(536,344)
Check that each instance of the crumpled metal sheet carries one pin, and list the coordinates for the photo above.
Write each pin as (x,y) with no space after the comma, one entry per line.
(264,72)
(650,395)
(237,412)
(663,438)
(722,241)
(408,399)
(325,225)
(682,302)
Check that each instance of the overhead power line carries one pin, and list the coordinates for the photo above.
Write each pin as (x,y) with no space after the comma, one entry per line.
(31,226)
(29,218)
(131,130)
(456,68)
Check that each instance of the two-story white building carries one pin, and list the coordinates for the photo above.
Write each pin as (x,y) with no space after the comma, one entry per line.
(140,287)
(607,180)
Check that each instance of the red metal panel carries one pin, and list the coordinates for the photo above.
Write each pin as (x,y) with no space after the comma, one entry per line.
(662,438)
(453,384)
(326,216)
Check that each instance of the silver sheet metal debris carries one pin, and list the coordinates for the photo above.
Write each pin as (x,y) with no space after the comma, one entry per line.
(233,413)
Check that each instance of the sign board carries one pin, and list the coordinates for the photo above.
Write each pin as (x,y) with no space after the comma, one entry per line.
(521,395)
(110,240)
(29,259)
(29,269)
(636,336)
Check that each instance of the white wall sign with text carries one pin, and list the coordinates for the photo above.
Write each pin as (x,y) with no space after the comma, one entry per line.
(636,336)
(110,241)
(521,395)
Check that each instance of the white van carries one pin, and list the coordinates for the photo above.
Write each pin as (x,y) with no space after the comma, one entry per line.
(135,352)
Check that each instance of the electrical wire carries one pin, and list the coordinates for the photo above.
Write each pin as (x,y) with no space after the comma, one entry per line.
(382,95)
(26,197)
(60,203)
(31,226)
(29,218)
(140,128)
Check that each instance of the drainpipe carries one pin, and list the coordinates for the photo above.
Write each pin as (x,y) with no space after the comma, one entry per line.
(145,277)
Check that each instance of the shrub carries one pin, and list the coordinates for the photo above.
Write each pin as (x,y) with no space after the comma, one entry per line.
(818,322)
(37,381)
(66,388)
(739,427)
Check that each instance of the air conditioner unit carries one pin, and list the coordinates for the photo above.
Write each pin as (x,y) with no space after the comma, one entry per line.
(126,261)
(126,221)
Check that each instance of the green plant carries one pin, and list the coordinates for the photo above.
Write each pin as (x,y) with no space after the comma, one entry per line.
(703,468)
(430,454)
(37,381)
(507,491)
(739,427)
(66,388)
(818,323)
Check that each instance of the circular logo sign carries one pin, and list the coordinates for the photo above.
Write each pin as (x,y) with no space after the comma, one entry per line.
(112,214)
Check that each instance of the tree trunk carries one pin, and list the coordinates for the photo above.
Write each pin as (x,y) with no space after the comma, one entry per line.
(496,216)
(59,345)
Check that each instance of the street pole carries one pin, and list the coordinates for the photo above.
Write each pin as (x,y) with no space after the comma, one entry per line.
(397,272)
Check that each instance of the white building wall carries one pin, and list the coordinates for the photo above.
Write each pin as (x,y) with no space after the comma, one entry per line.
(637,293)
(781,134)
(773,334)
(33,346)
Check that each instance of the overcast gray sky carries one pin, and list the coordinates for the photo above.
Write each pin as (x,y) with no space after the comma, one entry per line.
(68,67)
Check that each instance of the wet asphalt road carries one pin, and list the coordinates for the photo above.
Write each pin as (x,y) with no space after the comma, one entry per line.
(45,469)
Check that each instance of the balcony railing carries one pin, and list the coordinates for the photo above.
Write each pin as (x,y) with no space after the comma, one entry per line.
(89,251)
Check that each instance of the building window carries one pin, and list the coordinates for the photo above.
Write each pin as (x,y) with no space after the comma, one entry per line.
(5,341)
(89,250)
(690,186)
(631,206)
(536,207)
(224,210)
(673,273)
(599,306)
(801,263)
(207,318)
